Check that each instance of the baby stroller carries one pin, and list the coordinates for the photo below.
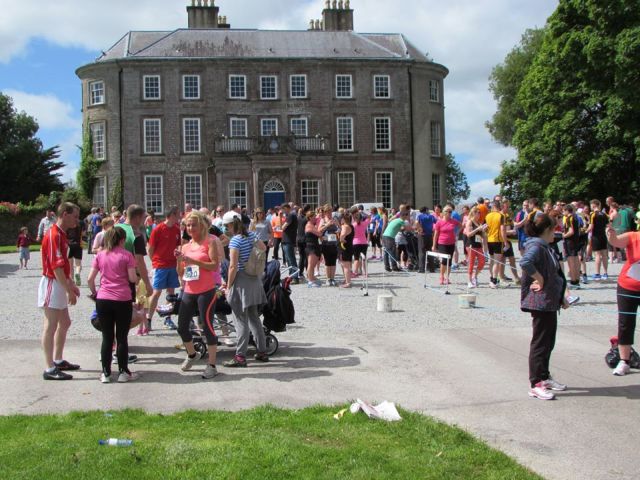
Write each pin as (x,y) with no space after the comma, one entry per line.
(412,250)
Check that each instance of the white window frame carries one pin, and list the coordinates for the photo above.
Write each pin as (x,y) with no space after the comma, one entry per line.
(244,80)
(434,91)
(100,185)
(376,136)
(306,85)
(275,87)
(184,135)
(145,131)
(99,96)
(237,199)
(379,194)
(195,201)
(436,143)
(184,86)
(102,153)
(238,119)
(147,205)
(339,135)
(263,121)
(343,76)
(306,126)
(375,86)
(436,186)
(144,87)
(341,195)
(306,185)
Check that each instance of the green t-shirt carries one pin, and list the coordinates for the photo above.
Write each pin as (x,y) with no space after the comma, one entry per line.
(393,228)
(131,237)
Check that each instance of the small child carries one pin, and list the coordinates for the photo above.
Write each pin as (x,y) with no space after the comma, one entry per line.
(142,300)
(24,240)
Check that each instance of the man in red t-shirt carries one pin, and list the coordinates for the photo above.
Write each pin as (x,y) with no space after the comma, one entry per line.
(164,240)
(56,292)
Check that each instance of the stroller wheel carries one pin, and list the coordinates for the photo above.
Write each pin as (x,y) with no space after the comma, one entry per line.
(201,348)
(272,344)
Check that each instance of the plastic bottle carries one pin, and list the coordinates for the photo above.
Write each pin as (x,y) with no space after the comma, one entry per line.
(116,442)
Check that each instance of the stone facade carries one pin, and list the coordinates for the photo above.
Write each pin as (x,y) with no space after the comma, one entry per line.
(222,161)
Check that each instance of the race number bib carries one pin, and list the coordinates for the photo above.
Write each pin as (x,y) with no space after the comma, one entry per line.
(191,273)
(331,237)
(478,238)
(634,272)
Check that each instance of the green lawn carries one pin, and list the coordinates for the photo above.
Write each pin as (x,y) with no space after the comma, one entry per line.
(13,249)
(263,443)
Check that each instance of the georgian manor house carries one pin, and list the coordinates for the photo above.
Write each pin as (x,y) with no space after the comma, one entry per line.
(211,115)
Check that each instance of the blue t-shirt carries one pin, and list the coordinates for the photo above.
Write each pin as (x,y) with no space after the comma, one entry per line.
(96,224)
(427,222)
(522,237)
(456,216)
(376,224)
(244,246)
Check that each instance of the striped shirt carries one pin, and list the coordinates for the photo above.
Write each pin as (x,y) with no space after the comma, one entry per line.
(244,246)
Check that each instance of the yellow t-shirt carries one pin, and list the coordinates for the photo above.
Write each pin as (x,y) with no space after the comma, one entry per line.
(494,221)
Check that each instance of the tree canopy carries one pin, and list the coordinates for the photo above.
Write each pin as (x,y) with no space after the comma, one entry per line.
(27,169)
(457,186)
(578,135)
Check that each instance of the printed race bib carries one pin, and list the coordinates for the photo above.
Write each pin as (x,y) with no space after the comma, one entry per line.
(634,272)
(191,273)
(478,239)
(331,237)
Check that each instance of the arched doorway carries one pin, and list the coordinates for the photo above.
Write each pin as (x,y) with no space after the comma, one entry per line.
(273,194)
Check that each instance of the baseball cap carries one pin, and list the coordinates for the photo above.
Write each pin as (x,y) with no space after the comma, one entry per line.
(228,217)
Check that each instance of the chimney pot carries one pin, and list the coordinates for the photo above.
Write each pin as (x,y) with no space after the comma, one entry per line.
(340,5)
(347,5)
(334,4)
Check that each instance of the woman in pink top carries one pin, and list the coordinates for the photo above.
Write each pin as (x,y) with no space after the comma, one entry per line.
(114,302)
(198,262)
(444,241)
(360,241)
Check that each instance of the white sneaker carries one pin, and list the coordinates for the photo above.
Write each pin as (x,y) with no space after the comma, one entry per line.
(229,342)
(541,392)
(621,369)
(188,362)
(470,285)
(571,300)
(551,384)
(209,372)
(105,378)
(128,377)
(475,281)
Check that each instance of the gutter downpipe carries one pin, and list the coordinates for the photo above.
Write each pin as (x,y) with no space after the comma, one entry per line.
(121,131)
(413,160)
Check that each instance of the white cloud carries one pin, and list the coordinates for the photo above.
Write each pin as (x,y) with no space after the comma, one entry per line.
(483,188)
(50,111)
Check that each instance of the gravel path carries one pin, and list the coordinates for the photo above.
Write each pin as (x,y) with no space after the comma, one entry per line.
(330,310)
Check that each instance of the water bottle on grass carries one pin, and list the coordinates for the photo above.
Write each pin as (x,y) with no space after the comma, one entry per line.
(116,442)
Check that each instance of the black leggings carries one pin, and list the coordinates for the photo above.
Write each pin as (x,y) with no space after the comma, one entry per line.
(628,302)
(545,325)
(188,306)
(113,313)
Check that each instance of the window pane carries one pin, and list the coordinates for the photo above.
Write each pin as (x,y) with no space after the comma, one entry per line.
(435,139)
(345,134)
(97,137)
(383,134)
(434,90)
(151,87)
(191,135)
(238,193)
(435,187)
(152,140)
(311,193)
(268,88)
(153,193)
(237,86)
(343,86)
(384,188)
(381,86)
(100,192)
(299,127)
(346,189)
(96,90)
(298,86)
(193,190)
(191,86)
(268,127)
(238,127)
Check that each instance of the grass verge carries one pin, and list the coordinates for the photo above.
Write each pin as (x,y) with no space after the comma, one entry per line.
(13,249)
(263,443)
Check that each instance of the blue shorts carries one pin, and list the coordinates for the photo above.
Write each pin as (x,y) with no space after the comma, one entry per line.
(164,278)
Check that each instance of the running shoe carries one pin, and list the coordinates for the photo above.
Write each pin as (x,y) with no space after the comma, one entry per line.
(551,384)
(189,361)
(605,276)
(328,282)
(64,365)
(333,283)
(621,369)
(105,378)
(475,282)
(236,362)
(493,284)
(169,324)
(454,267)
(585,279)
(470,285)
(540,391)
(597,277)
(572,300)
(125,377)
(506,279)
(228,342)
(56,374)
(261,357)
(313,285)
(209,372)
(131,359)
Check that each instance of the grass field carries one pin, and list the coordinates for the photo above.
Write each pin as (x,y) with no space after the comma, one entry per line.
(263,443)
(13,249)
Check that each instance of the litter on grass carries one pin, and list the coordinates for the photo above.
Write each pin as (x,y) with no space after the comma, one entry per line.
(385,411)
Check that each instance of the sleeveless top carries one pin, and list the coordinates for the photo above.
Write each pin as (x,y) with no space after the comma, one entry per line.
(346,244)
(629,278)
(475,240)
(197,280)
(311,240)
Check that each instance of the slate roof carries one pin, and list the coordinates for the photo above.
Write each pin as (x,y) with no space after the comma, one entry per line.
(262,44)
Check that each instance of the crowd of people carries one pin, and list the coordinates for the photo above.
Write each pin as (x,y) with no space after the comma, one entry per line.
(191,250)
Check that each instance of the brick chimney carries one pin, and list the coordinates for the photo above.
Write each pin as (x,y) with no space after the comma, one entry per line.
(337,16)
(203,14)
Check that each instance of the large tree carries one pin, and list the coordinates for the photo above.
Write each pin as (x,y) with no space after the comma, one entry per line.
(456,180)
(27,169)
(579,136)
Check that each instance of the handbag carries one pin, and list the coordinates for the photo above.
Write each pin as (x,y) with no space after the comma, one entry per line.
(256,261)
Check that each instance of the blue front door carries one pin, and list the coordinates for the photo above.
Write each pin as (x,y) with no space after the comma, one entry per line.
(271,199)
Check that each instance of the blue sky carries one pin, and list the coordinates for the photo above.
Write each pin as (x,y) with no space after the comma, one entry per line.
(42,43)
